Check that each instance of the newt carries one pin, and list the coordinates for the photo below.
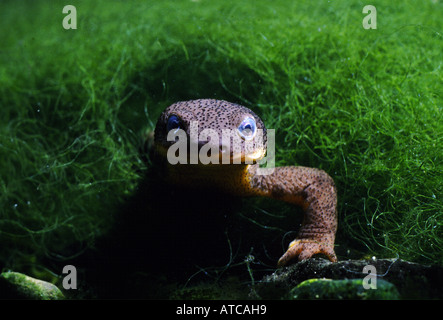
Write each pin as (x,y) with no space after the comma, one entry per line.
(310,188)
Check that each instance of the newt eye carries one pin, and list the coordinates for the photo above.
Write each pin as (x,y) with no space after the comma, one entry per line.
(173,123)
(247,128)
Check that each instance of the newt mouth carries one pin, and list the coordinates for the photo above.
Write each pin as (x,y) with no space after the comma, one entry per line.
(249,158)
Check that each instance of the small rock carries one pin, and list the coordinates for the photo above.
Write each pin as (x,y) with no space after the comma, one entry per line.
(343,289)
(412,280)
(15,285)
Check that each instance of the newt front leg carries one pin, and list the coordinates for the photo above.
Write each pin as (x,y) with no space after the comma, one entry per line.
(312,189)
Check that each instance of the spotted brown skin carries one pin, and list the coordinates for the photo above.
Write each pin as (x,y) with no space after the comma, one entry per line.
(312,189)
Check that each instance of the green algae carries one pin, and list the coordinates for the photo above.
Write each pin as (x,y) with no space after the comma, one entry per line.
(364,105)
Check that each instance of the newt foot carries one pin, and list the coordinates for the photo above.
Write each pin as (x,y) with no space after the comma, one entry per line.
(304,249)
